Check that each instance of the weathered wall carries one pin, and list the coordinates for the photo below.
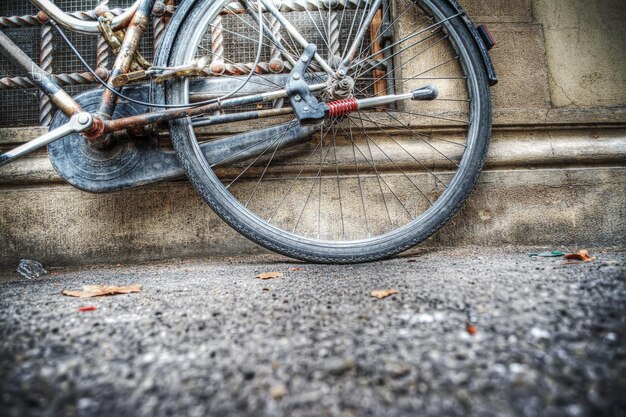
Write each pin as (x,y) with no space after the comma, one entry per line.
(585,46)
(556,173)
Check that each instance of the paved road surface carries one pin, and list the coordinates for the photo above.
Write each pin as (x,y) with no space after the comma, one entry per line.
(205,338)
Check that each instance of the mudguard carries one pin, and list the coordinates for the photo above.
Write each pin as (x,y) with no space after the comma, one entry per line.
(491,72)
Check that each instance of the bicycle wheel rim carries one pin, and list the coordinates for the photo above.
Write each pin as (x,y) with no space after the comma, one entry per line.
(385,244)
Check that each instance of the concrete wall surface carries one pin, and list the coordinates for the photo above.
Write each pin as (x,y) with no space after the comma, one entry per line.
(555,174)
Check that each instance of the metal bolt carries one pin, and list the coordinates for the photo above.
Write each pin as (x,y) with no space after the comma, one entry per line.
(305,108)
(298,98)
(304,59)
(296,76)
(341,73)
(83,119)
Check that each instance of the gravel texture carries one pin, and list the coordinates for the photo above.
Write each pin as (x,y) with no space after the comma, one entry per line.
(205,338)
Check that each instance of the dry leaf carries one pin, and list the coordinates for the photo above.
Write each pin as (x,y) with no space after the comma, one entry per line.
(411,260)
(383,293)
(265,289)
(582,255)
(278,391)
(269,275)
(296,268)
(101,290)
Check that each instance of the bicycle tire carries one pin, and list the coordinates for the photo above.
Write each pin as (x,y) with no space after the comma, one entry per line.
(301,245)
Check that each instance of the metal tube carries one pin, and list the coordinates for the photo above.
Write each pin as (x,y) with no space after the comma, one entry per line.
(167,115)
(426,93)
(77,25)
(78,123)
(40,77)
(269,5)
(345,65)
(244,146)
(238,117)
(124,60)
(365,103)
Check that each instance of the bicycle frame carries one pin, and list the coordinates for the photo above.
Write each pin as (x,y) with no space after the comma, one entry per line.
(135,20)
(81,26)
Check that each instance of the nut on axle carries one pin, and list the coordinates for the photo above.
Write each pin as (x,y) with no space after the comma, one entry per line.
(96,131)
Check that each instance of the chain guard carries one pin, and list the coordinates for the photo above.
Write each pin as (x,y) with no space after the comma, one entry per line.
(131,162)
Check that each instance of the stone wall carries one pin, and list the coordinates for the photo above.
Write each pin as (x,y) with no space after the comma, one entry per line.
(555,175)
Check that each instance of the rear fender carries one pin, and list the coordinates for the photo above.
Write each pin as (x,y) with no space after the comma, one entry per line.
(480,43)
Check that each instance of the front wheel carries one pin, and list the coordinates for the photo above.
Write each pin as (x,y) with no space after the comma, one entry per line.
(367,185)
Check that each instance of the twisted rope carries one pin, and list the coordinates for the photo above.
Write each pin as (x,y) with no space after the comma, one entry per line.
(275,26)
(45,60)
(276,61)
(217,40)
(102,51)
(333,31)
(261,68)
(41,18)
(236,7)
(76,78)
(20,21)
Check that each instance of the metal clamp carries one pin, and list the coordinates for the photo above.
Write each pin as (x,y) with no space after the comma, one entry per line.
(115,39)
(304,104)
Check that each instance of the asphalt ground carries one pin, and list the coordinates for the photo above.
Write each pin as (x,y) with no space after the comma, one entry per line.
(471,332)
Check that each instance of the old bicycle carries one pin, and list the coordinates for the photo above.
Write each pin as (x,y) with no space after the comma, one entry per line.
(326,130)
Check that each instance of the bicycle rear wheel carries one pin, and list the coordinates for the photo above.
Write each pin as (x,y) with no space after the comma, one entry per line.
(367,185)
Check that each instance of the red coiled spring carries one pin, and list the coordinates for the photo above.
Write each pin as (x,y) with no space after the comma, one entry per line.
(341,107)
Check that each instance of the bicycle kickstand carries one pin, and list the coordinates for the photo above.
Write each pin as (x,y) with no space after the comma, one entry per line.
(77,123)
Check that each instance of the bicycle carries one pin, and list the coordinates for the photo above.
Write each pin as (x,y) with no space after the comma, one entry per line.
(391,129)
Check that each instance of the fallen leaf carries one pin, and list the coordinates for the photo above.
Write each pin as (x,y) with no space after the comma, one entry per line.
(88,308)
(582,255)
(383,293)
(296,268)
(278,391)
(269,275)
(412,260)
(471,329)
(266,289)
(101,290)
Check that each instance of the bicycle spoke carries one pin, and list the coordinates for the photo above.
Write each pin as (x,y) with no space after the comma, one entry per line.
(356,165)
(409,60)
(319,171)
(343,227)
(408,153)
(256,186)
(410,36)
(256,159)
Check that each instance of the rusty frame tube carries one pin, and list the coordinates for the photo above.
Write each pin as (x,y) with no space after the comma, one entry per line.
(131,123)
(41,78)
(76,25)
(137,27)
(140,120)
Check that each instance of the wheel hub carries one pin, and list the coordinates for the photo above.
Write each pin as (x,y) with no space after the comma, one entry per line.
(340,88)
